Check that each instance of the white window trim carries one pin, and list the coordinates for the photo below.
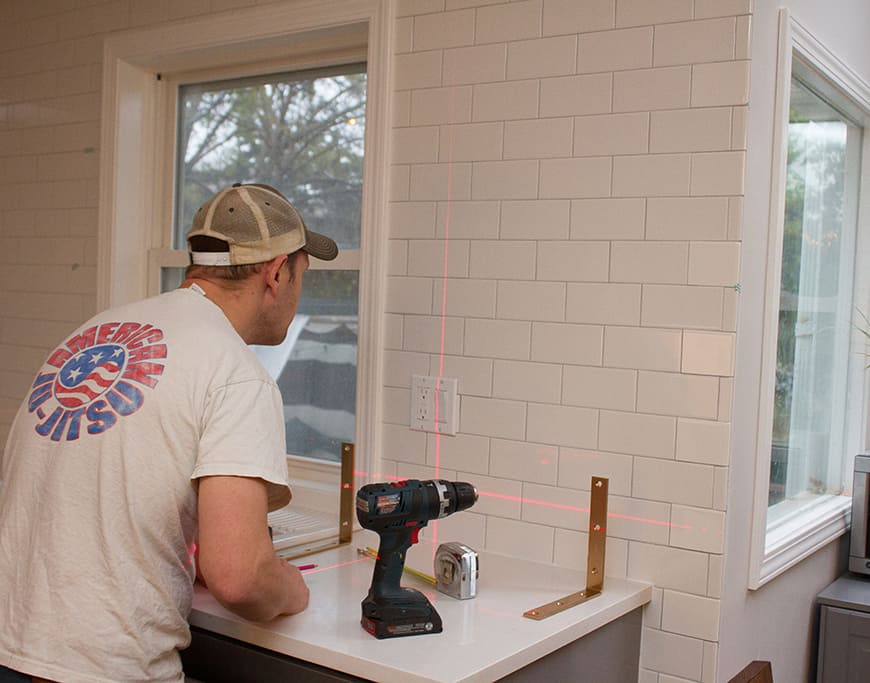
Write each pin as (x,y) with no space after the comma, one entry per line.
(794,535)
(133,130)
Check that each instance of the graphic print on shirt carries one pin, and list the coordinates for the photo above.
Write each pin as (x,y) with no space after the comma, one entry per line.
(96,378)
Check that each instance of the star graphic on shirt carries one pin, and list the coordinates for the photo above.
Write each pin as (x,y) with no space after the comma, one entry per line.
(74,374)
(96,357)
(117,352)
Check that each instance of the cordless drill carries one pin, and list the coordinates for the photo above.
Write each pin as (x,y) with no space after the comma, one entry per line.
(397,511)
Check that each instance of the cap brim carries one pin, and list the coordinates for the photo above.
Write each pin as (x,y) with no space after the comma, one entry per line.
(320,246)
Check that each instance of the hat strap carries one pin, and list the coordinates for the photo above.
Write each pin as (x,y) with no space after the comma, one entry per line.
(210,258)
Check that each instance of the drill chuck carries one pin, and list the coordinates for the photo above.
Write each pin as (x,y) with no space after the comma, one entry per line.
(465,495)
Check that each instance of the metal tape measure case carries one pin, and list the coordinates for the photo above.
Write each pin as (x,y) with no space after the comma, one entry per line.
(456,570)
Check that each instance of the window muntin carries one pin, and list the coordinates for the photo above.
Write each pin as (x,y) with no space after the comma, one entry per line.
(809,441)
(303,133)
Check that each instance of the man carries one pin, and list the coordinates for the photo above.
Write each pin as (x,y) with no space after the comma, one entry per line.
(150,435)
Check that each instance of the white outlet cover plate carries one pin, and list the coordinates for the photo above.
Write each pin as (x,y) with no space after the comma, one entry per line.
(424,390)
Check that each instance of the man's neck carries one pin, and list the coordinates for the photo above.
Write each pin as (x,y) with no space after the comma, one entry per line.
(235,303)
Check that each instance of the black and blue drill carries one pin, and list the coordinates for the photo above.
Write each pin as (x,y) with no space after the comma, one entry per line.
(397,511)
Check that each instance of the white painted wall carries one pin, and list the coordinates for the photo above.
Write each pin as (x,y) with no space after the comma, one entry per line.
(843,26)
(776,622)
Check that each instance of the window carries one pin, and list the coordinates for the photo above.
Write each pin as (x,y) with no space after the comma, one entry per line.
(303,133)
(816,299)
(138,243)
(812,413)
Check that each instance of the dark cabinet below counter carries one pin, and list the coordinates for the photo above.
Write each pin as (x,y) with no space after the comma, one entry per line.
(844,631)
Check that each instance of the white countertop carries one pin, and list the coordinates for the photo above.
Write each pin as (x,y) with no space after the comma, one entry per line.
(484,638)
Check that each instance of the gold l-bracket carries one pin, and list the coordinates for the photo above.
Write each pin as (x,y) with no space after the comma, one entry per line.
(594,558)
(345,503)
(345,507)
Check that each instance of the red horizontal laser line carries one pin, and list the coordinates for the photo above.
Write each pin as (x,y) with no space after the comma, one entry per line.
(557,506)
(573,508)
(519,499)
(334,566)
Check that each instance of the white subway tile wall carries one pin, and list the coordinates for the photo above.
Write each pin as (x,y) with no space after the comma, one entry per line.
(636,433)
(542,57)
(615,50)
(652,615)
(465,452)
(690,615)
(530,462)
(571,550)
(596,156)
(580,165)
(577,467)
(50,75)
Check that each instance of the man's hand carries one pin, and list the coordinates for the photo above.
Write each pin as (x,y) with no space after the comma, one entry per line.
(235,555)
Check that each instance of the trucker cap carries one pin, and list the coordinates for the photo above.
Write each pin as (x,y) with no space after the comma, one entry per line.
(258,223)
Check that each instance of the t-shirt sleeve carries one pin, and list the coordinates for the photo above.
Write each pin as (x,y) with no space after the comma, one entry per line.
(243,436)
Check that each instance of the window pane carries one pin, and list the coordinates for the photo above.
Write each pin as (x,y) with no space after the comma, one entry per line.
(815,302)
(315,367)
(300,132)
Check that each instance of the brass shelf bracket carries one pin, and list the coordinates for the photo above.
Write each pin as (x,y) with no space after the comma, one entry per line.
(345,508)
(345,502)
(594,558)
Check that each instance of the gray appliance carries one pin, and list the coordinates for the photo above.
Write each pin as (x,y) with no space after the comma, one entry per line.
(859,550)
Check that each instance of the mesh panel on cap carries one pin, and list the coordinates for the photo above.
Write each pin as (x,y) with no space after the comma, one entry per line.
(276,217)
(258,223)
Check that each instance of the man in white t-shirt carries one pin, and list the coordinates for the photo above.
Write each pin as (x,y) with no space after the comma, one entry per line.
(151,436)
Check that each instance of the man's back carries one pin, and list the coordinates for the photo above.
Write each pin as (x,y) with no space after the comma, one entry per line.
(96,560)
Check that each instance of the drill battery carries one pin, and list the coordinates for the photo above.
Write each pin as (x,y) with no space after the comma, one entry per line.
(406,615)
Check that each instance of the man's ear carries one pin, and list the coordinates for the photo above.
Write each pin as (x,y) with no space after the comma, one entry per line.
(272,272)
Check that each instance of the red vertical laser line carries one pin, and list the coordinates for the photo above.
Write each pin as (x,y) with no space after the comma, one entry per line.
(443,299)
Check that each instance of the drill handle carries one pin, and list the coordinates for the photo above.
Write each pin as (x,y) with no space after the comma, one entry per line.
(390,563)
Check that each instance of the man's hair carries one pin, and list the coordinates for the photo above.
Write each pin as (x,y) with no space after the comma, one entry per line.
(231,275)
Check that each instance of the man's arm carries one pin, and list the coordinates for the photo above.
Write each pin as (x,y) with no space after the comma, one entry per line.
(235,554)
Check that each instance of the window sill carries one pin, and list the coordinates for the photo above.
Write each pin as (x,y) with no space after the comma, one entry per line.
(311,520)
(798,534)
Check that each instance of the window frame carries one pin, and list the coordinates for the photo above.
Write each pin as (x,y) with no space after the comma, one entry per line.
(136,201)
(799,529)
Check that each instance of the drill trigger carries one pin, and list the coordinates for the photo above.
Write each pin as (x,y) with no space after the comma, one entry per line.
(415,535)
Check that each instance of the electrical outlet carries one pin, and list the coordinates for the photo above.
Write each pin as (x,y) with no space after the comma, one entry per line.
(435,404)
